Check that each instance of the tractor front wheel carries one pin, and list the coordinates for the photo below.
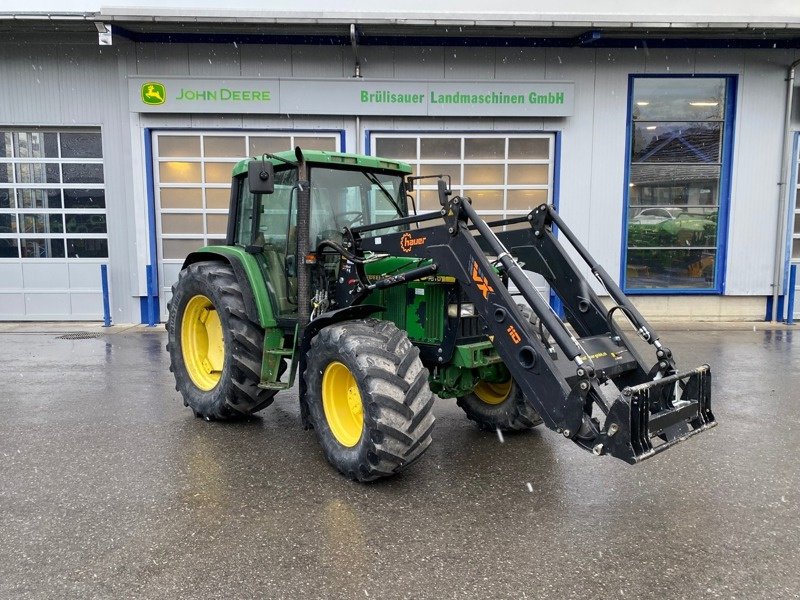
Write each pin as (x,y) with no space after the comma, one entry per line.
(215,350)
(499,406)
(368,398)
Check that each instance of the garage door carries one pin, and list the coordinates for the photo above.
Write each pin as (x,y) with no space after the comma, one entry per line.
(505,175)
(192,177)
(53,235)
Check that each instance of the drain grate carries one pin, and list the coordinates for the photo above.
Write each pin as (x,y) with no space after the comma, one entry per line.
(78,336)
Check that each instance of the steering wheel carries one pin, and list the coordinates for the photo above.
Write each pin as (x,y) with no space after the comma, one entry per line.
(354,216)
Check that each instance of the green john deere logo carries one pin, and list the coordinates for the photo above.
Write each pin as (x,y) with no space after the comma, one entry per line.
(154,93)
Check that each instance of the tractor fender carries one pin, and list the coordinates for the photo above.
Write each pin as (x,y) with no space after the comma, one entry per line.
(245,284)
(359,311)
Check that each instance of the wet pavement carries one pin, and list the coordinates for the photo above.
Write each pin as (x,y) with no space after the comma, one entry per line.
(109,488)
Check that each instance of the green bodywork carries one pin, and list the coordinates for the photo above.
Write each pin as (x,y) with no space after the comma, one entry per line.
(418,307)
(255,276)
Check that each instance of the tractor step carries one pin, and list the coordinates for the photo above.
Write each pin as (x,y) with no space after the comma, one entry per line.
(271,367)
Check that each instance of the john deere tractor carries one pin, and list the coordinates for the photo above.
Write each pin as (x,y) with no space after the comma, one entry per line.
(328,276)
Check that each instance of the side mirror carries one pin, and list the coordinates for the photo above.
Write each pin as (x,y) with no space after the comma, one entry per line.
(444,191)
(261,177)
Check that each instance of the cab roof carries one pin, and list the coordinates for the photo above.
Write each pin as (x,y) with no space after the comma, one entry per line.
(321,157)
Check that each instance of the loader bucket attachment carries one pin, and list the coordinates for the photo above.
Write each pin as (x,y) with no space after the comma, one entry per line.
(654,416)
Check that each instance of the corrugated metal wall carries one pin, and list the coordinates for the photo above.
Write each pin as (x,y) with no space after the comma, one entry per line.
(81,84)
(84,84)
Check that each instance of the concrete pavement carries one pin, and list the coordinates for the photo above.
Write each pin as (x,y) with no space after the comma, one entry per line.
(109,488)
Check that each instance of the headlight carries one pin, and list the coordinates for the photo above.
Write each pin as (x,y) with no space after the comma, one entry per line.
(467,310)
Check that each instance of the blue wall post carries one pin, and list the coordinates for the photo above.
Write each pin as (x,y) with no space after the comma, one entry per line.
(790,302)
(106,303)
(152,286)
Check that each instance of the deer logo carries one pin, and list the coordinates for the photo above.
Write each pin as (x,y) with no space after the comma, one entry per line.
(154,93)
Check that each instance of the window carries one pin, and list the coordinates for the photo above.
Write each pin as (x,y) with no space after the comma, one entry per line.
(504,174)
(342,198)
(676,185)
(52,195)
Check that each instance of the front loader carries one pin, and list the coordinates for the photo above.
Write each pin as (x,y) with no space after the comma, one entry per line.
(328,278)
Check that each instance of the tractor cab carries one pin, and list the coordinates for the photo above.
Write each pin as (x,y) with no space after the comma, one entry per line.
(346,191)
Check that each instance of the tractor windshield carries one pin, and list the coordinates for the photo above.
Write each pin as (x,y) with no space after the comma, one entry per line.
(348,198)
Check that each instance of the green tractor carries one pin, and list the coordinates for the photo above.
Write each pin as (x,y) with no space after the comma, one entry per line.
(327,276)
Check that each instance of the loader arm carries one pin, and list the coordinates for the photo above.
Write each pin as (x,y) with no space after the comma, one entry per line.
(594,388)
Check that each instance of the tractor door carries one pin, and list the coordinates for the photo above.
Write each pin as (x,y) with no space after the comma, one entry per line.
(272,227)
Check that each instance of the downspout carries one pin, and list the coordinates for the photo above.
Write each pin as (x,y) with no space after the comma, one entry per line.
(356,75)
(783,197)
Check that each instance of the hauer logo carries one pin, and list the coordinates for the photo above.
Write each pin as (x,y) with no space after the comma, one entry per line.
(407,242)
(154,93)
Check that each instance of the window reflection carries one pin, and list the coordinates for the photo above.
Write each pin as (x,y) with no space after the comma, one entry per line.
(674,182)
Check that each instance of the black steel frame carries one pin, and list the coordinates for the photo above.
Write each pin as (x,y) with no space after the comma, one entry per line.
(643,410)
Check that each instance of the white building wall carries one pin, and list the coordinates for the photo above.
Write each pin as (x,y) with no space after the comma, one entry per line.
(80,83)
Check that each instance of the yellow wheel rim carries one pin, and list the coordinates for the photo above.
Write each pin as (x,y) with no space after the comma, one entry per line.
(341,402)
(202,342)
(493,393)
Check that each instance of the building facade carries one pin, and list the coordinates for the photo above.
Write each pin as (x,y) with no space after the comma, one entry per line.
(669,155)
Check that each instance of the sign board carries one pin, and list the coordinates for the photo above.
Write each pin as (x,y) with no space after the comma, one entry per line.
(388,97)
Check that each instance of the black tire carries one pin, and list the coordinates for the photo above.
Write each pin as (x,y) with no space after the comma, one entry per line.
(395,397)
(236,394)
(512,414)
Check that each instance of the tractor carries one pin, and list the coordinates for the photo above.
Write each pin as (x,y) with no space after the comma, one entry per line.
(330,276)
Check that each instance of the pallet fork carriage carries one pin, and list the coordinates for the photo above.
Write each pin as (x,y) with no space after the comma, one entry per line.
(378,313)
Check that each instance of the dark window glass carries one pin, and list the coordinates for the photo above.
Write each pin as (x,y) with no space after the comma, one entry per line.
(38,173)
(82,173)
(87,248)
(6,200)
(678,268)
(37,223)
(86,223)
(84,199)
(27,198)
(674,182)
(8,248)
(81,145)
(677,142)
(36,144)
(683,185)
(42,248)
(6,173)
(8,223)
(5,144)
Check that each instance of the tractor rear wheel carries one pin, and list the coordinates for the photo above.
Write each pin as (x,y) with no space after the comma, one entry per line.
(368,398)
(215,350)
(499,406)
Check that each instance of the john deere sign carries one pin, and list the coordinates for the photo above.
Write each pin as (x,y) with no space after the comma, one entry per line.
(353,97)
(153,93)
